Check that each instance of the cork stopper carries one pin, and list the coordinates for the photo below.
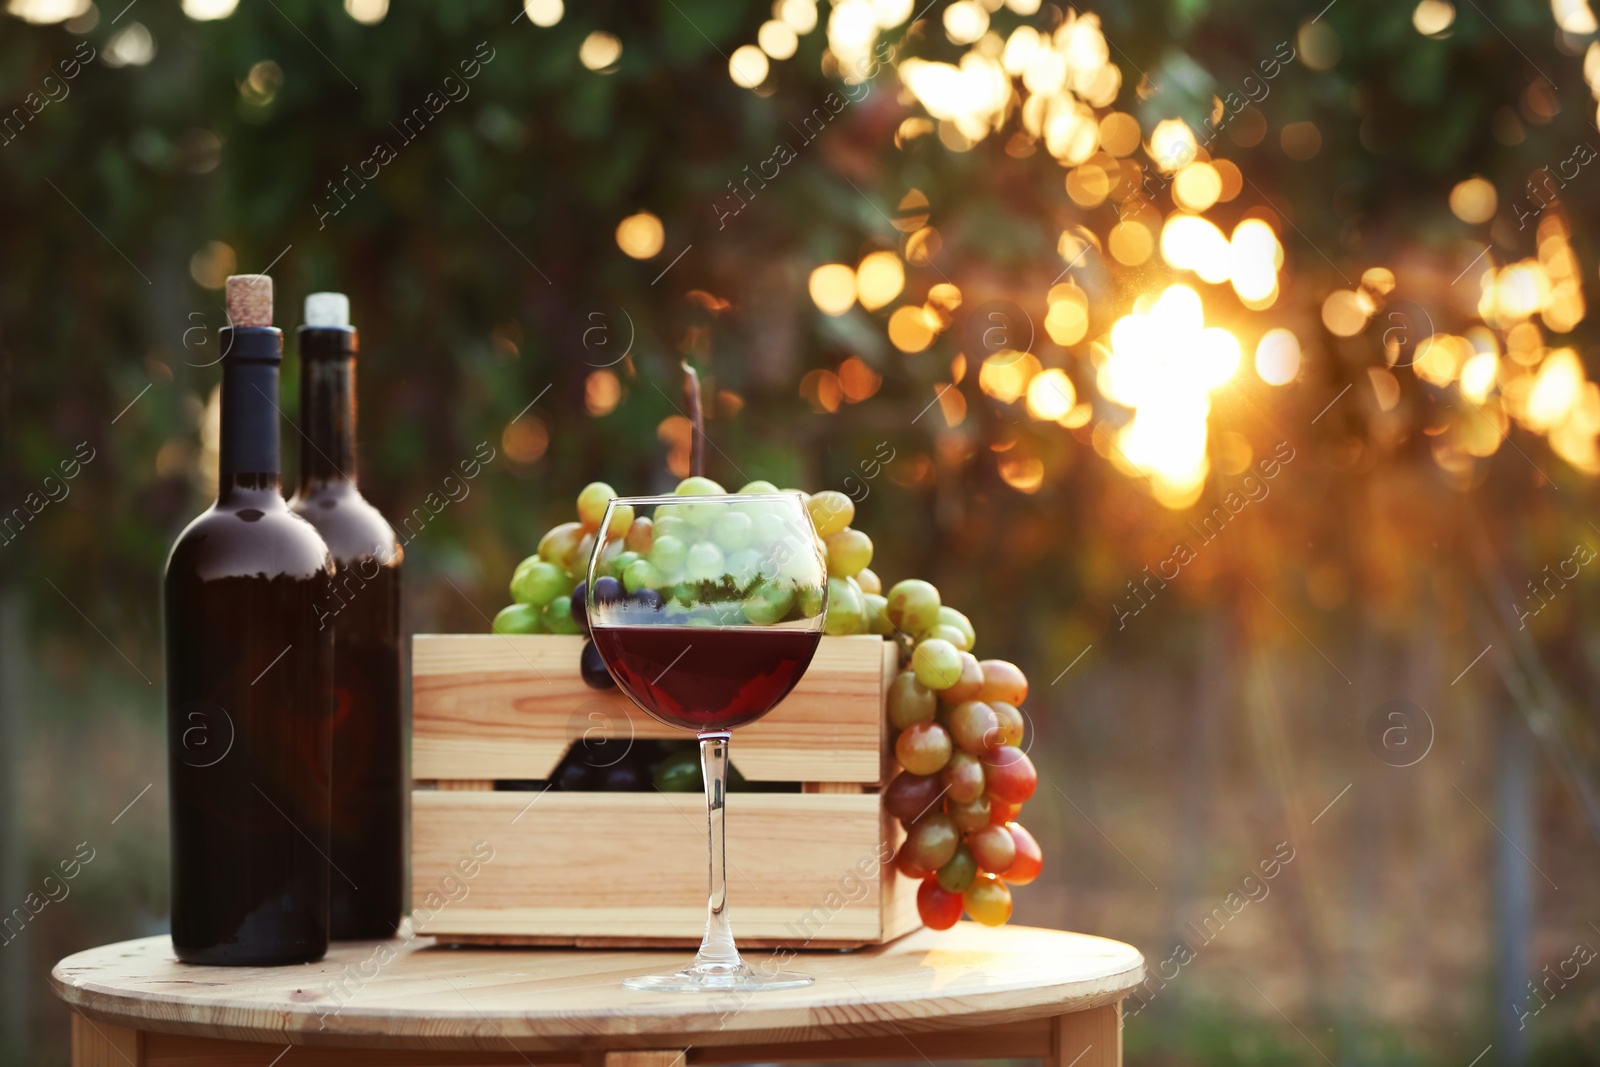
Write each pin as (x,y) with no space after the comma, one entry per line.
(328,309)
(249,299)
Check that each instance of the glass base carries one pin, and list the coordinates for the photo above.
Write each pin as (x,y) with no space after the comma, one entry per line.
(716,979)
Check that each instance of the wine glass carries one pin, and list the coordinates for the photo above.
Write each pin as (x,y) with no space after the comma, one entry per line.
(707,610)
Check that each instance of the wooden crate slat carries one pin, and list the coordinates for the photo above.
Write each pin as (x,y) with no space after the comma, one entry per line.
(491,706)
(802,867)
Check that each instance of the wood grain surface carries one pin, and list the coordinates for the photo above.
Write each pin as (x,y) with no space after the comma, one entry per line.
(496,706)
(402,995)
(801,867)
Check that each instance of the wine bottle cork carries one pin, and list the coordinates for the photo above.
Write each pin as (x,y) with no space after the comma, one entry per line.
(249,299)
(327,309)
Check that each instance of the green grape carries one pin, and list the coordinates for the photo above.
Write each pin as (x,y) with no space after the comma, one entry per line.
(744,566)
(846,613)
(951,634)
(698,486)
(769,603)
(869,581)
(910,701)
(642,574)
(951,617)
(640,535)
(524,565)
(620,563)
(767,529)
(914,605)
(848,552)
(668,525)
(560,545)
(732,530)
(680,773)
(606,564)
(975,729)
(831,511)
(518,619)
(923,748)
(808,599)
(558,616)
(877,609)
(539,583)
(797,561)
(973,815)
(959,871)
(705,562)
(937,662)
(592,503)
(931,841)
(758,488)
(668,553)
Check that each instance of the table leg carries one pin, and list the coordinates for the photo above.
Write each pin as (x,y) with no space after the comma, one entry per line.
(637,1058)
(1090,1038)
(103,1045)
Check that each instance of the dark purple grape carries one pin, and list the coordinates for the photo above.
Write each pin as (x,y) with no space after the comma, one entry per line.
(607,590)
(648,598)
(580,606)
(573,776)
(626,777)
(593,668)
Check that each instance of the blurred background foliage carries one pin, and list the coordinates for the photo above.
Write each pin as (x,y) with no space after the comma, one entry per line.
(531,258)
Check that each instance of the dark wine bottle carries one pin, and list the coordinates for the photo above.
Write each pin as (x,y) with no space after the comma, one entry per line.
(363,613)
(249,685)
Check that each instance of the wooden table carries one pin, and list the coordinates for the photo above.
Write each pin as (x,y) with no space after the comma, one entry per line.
(968,992)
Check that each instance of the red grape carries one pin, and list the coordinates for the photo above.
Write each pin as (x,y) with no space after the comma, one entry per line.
(939,908)
(1030,859)
(903,864)
(963,778)
(993,848)
(957,874)
(910,796)
(968,685)
(987,900)
(1011,774)
(1004,681)
(973,816)
(974,727)
(923,748)
(1001,811)
(931,841)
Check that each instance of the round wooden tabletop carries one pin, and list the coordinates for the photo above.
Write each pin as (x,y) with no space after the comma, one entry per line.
(421,995)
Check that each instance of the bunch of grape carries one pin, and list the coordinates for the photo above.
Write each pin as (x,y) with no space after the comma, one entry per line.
(958,730)
(957,719)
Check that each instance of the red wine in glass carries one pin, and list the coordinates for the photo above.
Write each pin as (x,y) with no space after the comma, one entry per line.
(703,678)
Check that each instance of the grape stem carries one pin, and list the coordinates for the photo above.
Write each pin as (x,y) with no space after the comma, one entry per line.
(717,955)
(697,421)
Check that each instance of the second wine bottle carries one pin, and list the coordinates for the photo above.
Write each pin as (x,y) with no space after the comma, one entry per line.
(363,611)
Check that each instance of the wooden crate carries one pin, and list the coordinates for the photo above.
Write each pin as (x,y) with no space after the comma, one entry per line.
(805,870)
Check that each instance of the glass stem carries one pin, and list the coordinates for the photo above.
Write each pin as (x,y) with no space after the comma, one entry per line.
(717,952)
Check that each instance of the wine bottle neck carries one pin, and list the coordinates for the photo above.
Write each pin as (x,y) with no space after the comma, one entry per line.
(327,407)
(248,452)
